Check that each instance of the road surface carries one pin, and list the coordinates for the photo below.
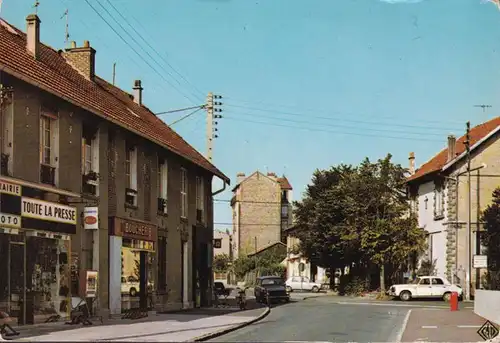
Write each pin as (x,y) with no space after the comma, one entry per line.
(336,319)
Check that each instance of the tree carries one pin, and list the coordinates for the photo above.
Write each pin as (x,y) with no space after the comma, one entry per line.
(491,239)
(221,263)
(358,217)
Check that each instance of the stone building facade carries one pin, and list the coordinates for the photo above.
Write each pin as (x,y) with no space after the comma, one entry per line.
(261,211)
(71,144)
(442,185)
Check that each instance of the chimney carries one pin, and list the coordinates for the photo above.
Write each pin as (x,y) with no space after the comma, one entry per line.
(240,177)
(411,159)
(451,148)
(33,35)
(82,59)
(138,92)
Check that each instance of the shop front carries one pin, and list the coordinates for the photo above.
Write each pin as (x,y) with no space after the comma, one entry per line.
(131,255)
(34,249)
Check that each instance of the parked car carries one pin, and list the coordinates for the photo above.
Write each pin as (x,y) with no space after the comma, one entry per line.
(425,287)
(131,285)
(301,283)
(272,285)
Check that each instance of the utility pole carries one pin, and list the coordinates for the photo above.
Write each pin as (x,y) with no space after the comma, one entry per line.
(114,73)
(468,234)
(211,121)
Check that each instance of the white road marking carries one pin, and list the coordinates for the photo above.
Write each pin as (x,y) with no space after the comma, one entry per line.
(469,307)
(306,342)
(429,327)
(403,327)
(389,304)
(469,326)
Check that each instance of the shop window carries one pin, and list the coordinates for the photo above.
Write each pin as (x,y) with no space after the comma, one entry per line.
(162,264)
(184,193)
(131,175)
(162,186)
(49,140)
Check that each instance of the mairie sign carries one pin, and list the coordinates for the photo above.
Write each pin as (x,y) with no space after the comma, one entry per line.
(49,211)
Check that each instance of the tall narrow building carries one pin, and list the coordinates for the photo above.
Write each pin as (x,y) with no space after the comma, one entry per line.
(262,211)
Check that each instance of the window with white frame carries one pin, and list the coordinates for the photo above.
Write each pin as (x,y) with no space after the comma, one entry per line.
(184,193)
(90,160)
(46,140)
(131,175)
(200,194)
(162,185)
(48,145)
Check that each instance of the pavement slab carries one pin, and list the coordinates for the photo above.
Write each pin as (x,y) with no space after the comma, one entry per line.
(435,325)
(170,330)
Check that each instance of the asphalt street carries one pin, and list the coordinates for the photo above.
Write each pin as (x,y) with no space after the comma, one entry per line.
(332,319)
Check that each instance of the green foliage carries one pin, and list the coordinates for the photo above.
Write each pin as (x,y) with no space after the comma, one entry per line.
(268,262)
(491,239)
(427,268)
(221,263)
(358,215)
(353,285)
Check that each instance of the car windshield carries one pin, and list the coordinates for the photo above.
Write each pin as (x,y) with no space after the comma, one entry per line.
(416,281)
(274,281)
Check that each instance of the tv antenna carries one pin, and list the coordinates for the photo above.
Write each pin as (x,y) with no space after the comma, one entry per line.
(66,14)
(484,107)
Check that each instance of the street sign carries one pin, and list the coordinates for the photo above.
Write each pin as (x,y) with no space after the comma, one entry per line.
(488,331)
(480,261)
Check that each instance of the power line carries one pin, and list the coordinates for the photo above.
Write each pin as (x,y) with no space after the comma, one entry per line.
(152,48)
(179,110)
(249,201)
(186,116)
(321,110)
(330,131)
(342,126)
(131,47)
(337,118)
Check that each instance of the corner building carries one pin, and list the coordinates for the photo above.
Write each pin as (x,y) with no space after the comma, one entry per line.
(95,190)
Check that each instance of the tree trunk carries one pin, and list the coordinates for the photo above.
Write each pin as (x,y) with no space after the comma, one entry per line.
(382,277)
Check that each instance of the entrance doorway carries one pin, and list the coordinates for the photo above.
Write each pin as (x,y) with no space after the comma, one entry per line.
(35,286)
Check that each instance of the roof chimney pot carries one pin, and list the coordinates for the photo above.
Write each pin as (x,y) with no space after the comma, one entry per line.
(33,35)
(138,92)
(411,159)
(452,152)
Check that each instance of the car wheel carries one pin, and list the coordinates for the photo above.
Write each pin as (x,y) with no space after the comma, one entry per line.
(133,292)
(447,297)
(315,289)
(405,296)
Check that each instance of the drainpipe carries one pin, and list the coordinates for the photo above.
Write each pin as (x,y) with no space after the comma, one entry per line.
(220,190)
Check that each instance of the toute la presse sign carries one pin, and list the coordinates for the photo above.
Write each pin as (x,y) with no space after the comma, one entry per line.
(44,210)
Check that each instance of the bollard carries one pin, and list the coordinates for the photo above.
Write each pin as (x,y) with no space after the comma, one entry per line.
(454,301)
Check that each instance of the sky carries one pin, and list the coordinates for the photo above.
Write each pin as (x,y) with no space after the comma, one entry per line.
(305,84)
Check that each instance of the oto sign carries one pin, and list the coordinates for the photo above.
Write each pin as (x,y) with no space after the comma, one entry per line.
(91,218)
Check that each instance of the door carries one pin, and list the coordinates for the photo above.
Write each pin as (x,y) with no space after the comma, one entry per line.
(306,284)
(424,288)
(438,287)
(16,277)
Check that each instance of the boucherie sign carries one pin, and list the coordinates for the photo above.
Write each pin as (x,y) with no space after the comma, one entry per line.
(44,210)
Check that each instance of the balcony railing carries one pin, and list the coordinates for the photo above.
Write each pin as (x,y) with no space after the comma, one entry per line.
(90,181)
(47,174)
(199,216)
(130,197)
(4,164)
(162,205)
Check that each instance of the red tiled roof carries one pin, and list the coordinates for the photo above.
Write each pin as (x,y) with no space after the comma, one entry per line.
(53,74)
(440,160)
(285,184)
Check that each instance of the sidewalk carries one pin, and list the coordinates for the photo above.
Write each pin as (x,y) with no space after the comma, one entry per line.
(159,328)
(435,325)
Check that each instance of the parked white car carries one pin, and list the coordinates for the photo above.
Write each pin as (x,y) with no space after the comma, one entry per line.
(425,287)
(301,283)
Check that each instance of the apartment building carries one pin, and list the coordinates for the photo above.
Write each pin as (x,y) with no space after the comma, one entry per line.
(439,195)
(90,177)
(223,243)
(262,211)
